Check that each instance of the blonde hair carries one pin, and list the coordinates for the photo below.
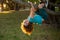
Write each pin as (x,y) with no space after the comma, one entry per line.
(27,30)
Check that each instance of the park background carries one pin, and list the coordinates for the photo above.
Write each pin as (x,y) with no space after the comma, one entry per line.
(11,18)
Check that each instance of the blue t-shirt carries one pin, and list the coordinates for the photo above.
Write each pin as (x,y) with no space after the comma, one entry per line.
(35,19)
(42,12)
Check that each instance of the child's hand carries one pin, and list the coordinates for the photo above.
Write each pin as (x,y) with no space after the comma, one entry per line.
(30,3)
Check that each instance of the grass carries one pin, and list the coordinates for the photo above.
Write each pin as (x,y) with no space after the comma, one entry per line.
(10,28)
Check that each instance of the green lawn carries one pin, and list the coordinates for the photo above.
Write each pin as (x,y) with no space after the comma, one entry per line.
(10,28)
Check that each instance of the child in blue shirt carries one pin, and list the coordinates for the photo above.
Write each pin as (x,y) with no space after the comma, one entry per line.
(39,14)
(34,17)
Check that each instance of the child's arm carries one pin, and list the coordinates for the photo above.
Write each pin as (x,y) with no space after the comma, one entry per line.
(31,10)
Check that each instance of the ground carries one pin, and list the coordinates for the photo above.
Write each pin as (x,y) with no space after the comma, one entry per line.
(10,28)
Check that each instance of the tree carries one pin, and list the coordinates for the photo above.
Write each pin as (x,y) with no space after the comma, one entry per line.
(37,1)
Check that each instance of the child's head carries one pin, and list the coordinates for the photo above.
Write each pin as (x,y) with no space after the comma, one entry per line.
(27,27)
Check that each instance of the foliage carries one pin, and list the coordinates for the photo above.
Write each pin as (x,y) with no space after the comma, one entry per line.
(33,1)
(58,1)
